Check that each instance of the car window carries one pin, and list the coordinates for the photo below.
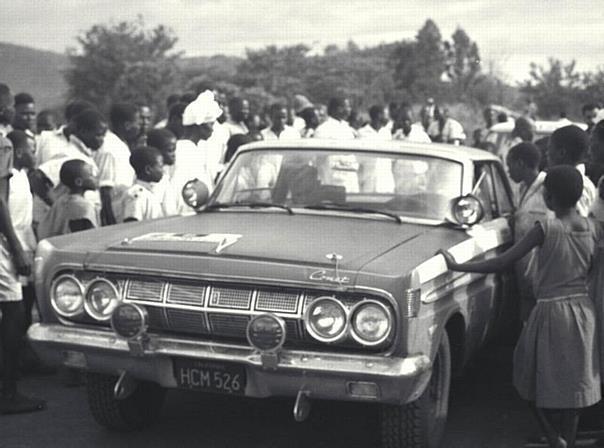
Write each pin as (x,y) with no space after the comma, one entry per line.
(413,185)
(504,203)
(483,190)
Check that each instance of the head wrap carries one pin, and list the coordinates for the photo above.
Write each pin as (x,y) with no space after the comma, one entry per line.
(301,103)
(204,109)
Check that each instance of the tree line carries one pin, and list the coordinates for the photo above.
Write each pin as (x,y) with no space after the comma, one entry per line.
(128,61)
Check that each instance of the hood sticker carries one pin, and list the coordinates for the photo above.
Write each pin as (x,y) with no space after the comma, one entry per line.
(222,240)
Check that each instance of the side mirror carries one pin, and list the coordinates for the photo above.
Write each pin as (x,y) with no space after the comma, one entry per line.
(465,211)
(195,193)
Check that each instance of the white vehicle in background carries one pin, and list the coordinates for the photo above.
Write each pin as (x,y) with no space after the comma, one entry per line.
(500,133)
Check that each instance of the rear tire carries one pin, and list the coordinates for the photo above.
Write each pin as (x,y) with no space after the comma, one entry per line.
(421,424)
(137,411)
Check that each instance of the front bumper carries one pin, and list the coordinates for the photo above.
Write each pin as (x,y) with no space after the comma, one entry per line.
(321,375)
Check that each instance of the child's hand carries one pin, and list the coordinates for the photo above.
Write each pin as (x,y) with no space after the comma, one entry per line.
(22,264)
(451,263)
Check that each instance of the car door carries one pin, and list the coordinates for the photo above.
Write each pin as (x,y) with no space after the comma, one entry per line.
(486,301)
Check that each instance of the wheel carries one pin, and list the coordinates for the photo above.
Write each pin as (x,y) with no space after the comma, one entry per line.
(136,411)
(421,424)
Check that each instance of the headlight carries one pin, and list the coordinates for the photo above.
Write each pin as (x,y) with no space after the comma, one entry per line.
(67,295)
(326,319)
(371,322)
(101,299)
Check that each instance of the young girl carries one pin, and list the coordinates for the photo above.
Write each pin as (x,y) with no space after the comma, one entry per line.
(556,365)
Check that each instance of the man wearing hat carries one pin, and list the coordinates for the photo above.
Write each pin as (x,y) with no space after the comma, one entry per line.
(191,155)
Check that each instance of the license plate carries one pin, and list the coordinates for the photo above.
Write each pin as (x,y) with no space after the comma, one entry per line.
(210,376)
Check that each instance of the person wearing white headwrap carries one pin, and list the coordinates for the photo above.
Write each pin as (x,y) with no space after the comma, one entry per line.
(191,155)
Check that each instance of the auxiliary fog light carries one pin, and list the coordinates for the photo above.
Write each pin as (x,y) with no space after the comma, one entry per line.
(67,296)
(129,320)
(101,299)
(326,319)
(266,332)
(371,322)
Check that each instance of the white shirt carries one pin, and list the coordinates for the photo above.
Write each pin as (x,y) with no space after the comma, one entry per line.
(20,205)
(589,195)
(72,148)
(416,135)
(142,202)
(288,133)
(217,144)
(235,128)
(190,163)
(453,130)
(334,129)
(368,132)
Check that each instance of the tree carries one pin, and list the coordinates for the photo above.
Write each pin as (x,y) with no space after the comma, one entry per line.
(464,63)
(420,64)
(555,89)
(123,61)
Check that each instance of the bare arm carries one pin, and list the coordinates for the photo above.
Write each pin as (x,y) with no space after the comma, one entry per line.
(504,261)
(107,216)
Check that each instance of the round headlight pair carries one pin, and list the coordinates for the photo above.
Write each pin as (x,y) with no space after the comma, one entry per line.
(327,320)
(68,297)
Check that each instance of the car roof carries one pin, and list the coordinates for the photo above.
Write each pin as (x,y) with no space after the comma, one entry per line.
(452,152)
(541,126)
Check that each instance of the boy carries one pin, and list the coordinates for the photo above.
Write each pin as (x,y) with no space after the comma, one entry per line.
(13,262)
(71,212)
(20,205)
(144,199)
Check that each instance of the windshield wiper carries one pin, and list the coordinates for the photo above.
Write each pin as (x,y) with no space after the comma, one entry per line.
(221,205)
(353,209)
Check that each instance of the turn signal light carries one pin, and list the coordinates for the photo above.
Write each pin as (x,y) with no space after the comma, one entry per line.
(412,302)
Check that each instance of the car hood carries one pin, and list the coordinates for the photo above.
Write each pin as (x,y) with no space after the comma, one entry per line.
(255,235)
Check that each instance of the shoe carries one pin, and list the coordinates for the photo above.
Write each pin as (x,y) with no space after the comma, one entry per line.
(18,404)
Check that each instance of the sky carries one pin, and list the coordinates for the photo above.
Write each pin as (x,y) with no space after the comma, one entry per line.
(510,33)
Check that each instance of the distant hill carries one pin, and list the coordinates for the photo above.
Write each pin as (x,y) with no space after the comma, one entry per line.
(38,72)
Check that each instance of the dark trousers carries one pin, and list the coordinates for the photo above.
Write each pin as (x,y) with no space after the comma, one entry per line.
(12,330)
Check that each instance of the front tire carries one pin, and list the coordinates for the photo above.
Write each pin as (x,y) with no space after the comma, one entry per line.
(421,424)
(136,411)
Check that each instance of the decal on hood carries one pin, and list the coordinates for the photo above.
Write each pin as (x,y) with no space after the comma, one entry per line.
(222,240)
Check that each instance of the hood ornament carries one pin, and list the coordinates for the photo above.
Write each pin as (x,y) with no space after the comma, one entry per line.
(323,276)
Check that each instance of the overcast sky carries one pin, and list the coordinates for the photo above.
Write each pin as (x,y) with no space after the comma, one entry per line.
(510,33)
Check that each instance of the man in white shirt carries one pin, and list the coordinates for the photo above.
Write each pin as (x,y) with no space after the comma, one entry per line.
(239,111)
(6,112)
(340,170)
(191,151)
(408,131)
(112,159)
(336,127)
(279,130)
(25,113)
(376,129)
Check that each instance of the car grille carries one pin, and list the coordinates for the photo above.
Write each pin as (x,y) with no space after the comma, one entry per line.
(222,311)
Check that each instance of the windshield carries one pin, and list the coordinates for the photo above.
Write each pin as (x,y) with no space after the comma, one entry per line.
(416,186)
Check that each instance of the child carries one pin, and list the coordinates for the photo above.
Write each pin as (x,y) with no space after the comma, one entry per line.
(20,205)
(556,363)
(143,199)
(13,262)
(71,212)
(523,168)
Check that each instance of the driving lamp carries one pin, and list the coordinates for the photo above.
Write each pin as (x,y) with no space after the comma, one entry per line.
(326,319)
(371,323)
(195,193)
(129,320)
(101,299)
(467,210)
(266,332)
(67,295)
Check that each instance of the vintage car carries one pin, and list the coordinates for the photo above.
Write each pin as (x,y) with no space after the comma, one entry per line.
(311,272)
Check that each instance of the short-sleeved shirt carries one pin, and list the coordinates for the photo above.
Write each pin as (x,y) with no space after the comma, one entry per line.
(67,208)
(20,206)
(288,133)
(143,201)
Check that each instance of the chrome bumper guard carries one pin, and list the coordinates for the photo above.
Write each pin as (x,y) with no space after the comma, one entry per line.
(323,375)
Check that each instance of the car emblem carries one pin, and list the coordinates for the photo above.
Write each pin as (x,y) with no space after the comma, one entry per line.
(322,275)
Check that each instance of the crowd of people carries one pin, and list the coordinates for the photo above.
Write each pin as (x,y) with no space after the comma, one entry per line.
(97,170)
